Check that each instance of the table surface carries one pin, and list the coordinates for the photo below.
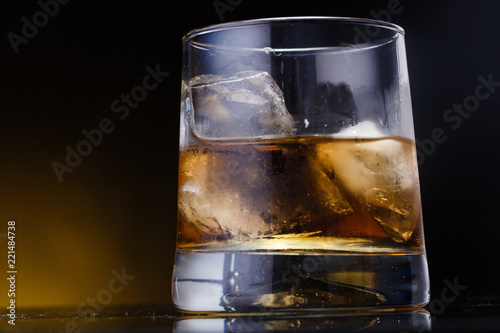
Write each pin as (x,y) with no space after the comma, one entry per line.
(478,317)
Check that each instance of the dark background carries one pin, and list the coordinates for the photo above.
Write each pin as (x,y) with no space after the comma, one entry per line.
(117,208)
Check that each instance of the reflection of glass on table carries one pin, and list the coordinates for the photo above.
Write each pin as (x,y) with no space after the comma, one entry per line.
(413,321)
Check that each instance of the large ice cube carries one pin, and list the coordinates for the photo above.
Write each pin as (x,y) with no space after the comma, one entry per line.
(212,199)
(382,175)
(303,197)
(248,104)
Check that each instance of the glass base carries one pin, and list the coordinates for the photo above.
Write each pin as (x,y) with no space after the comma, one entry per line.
(240,281)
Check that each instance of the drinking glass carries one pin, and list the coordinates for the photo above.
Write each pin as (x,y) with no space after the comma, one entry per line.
(298,180)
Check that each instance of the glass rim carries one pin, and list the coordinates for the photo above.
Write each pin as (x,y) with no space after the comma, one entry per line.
(255,22)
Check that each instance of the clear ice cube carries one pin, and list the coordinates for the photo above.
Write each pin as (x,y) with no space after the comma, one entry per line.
(248,104)
(382,176)
(213,200)
(303,199)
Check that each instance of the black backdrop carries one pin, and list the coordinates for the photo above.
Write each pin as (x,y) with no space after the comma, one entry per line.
(116,208)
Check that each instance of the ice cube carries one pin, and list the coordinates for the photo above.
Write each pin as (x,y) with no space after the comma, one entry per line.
(248,104)
(329,107)
(304,197)
(382,175)
(362,130)
(212,197)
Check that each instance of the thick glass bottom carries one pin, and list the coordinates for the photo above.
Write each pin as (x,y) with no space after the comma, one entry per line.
(249,281)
